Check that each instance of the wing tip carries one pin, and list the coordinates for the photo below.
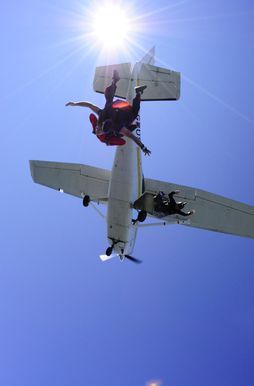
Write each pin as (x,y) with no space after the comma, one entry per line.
(32,168)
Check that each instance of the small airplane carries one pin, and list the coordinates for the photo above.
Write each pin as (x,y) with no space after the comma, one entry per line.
(128,195)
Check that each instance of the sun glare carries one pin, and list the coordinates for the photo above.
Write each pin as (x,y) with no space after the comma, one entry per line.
(111,26)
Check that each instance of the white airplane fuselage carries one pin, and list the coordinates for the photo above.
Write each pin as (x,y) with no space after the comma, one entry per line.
(125,187)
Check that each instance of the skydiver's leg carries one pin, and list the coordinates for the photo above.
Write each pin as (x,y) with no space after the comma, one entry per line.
(185,214)
(109,94)
(134,111)
(136,105)
(171,198)
(136,101)
(181,205)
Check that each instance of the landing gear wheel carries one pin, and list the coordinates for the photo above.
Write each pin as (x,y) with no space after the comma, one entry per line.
(109,251)
(86,201)
(142,216)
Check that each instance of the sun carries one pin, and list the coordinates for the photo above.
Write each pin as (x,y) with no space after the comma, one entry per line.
(111,25)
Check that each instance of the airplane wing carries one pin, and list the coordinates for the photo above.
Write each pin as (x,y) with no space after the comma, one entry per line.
(212,212)
(75,179)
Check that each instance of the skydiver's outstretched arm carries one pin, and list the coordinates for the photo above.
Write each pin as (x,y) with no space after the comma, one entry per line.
(128,133)
(94,108)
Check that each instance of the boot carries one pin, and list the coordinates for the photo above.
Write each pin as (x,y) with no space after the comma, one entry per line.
(140,89)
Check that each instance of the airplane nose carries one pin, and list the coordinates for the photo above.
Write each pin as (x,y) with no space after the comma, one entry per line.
(119,248)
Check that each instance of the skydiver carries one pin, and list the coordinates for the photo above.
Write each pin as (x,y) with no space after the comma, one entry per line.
(122,118)
(104,113)
(116,120)
(159,202)
(170,207)
(176,207)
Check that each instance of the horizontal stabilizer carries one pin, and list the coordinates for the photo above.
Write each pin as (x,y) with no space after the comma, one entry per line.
(103,78)
(162,84)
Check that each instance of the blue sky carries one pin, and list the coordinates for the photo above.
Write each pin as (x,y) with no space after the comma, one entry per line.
(186,315)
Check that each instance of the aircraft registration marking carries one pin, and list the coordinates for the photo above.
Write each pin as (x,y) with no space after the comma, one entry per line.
(139,171)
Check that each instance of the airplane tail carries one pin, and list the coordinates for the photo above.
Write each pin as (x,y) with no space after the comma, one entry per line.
(149,57)
(162,83)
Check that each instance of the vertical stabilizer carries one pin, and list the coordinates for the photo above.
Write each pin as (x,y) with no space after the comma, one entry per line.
(149,58)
